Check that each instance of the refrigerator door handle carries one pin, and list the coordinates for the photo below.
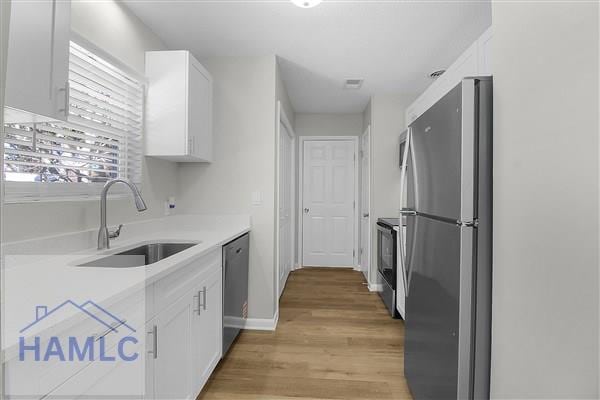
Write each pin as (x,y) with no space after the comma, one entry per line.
(405,211)
(415,172)
(402,213)
(401,253)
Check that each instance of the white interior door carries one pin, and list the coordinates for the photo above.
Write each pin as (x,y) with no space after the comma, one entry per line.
(328,213)
(365,217)
(286,253)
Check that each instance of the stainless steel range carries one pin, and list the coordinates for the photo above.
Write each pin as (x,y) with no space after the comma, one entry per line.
(387,261)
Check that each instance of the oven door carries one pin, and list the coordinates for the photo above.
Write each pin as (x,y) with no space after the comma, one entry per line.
(386,254)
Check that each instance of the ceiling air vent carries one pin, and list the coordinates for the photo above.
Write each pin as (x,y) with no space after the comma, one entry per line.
(353,84)
(437,74)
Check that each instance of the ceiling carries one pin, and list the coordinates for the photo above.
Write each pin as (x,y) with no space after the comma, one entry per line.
(392,44)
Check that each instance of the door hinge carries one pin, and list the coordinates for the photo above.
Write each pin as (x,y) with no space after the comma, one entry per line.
(353,253)
(468,224)
(354,204)
(362,251)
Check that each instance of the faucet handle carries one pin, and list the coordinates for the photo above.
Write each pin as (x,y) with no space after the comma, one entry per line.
(115,234)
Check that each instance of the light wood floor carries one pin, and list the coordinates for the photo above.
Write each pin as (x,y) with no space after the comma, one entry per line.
(334,340)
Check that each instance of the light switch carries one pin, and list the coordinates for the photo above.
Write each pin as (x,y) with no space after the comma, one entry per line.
(256,198)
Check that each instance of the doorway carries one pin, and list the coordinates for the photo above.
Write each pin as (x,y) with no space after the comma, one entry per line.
(285,200)
(328,193)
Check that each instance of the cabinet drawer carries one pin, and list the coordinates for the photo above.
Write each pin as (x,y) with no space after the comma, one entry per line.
(177,284)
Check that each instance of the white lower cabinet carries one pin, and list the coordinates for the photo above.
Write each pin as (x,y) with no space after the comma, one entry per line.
(184,341)
(207,330)
(180,342)
(169,362)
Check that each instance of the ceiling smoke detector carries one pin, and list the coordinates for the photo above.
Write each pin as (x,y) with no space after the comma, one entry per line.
(306,3)
(353,84)
(437,74)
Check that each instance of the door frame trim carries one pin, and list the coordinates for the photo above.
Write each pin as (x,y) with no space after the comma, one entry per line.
(354,140)
(368,244)
(283,119)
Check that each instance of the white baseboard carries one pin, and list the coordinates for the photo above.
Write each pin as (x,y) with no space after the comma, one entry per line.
(358,268)
(258,324)
(375,287)
(297,266)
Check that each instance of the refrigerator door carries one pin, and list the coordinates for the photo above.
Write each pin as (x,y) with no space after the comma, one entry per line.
(442,154)
(437,323)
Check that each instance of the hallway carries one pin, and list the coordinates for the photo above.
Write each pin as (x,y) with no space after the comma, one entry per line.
(334,340)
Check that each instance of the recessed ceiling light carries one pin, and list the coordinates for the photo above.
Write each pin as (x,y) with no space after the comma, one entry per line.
(306,3)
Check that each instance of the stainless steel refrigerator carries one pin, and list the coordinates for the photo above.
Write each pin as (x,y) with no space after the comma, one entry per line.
(448,258)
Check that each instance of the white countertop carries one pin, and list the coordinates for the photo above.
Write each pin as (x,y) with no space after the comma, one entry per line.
(45,271)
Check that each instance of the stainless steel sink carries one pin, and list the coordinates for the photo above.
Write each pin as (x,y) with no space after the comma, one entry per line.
(139,256)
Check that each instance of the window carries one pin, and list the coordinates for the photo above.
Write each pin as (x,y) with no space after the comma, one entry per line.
(102,139)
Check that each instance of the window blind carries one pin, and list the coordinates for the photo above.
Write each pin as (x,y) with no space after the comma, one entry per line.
(101,140)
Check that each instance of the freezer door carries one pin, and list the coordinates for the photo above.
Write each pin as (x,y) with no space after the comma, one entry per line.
(436,331)
(442,153)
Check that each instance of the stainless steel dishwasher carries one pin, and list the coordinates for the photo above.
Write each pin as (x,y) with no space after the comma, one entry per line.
(235,288)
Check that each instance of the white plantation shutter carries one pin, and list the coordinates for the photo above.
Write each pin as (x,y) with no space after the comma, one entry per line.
(102,139)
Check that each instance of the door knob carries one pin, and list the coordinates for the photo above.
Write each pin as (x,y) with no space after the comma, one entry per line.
(366,215)
(306,210)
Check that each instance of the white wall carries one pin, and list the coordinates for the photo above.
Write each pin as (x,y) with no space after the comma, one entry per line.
(328,124)
(244,162)
(112,28)
(386,113)
(545,282)
(283,97)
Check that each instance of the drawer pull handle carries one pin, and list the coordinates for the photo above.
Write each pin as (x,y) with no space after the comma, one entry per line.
(200,305)
(204,298)
(197,302)
(154,333)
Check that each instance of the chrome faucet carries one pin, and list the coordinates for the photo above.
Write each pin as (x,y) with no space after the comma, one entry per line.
(104,235)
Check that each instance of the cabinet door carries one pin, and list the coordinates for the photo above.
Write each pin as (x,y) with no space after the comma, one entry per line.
(37,62)
(200,112)
(171,353)
(60,56)
(207,329)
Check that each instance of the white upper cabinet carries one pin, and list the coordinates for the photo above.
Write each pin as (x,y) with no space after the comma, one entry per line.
(38,61)
(475,61)
(178,107)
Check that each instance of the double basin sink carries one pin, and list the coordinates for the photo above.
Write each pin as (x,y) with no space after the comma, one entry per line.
(146,254)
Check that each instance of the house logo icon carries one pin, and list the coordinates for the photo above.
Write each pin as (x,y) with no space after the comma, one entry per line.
(81,347)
